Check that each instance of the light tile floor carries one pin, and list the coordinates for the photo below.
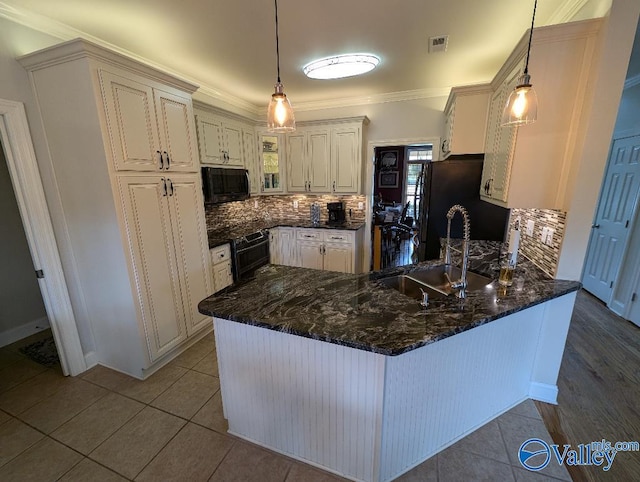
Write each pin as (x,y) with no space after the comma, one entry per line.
(105,426)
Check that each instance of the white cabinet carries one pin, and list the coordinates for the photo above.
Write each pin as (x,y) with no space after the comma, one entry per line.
(251,159)
(166,241)
(150,129)
(282,246)
(326,157)
(221,263)
(531,166)
(137,240)
(220,141)
(466,119)
(329,249)
(308,156)
(271,161)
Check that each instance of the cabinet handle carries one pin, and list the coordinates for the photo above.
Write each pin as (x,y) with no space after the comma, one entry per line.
(334,186)
(168,159)
(171,186)
(164,183)
(262,186)
(160,163)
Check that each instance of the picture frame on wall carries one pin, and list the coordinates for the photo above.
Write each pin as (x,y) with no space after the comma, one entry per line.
(388,179)
(389,161)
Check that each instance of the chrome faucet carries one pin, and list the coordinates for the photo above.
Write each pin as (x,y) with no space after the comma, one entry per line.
(461,284)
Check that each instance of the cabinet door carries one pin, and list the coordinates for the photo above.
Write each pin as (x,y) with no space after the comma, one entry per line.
(286,246)
(493,124)
(233,144)
(274,246)
(210,140)
(131,123)
(222,275)
(309,254)
(346,160)
(297,171)
(177,132)
(271,150)
(318,160)
(191,246)
(338,257)
(251,161)
(153,254)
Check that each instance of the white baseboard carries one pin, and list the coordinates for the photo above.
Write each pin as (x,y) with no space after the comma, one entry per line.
(19,332)
(544,392)
(91,359)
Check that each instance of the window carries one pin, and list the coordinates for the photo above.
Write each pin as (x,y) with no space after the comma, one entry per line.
(417,156)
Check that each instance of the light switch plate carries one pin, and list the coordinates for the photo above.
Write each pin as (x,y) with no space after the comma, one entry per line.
(295,204)
(550,233)
(360,205)
(543,235)
(255,203)
(530,226)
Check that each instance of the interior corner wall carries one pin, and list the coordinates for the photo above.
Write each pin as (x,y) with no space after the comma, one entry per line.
(17,40)
(628,120)
(613,58)
(20,299)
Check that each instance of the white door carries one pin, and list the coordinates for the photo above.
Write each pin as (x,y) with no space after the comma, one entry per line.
(210,140)
(151,244)
(274,246)
(191,246)
(297,172)
(222,275)
(131,123)
(319,152)
(286,243)
(338,257)
(611,227)
(233,144)
(309,254)
(177,132)
(346,160)
(251,161)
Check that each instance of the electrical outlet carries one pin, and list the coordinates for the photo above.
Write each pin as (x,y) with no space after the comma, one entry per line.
(530,226)
(295,204)
(550,233)
(543,235)
(255,204)
(360,205)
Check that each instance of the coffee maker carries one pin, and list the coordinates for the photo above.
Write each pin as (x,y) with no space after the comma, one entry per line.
(336,213)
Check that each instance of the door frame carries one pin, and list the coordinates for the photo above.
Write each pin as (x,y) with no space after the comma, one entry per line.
(34,212)
(369,185)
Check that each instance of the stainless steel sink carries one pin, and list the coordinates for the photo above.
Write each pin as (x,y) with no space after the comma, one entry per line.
(434,282)
(410,287)
(435,278)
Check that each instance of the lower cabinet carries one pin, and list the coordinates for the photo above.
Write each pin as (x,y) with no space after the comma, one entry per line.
(282,246)
(329,249)
(221,265)
(168,243)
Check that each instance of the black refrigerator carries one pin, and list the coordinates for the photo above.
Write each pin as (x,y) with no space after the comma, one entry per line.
(456,181)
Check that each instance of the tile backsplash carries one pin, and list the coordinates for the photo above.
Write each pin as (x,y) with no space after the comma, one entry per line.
(279,207)
(542,255)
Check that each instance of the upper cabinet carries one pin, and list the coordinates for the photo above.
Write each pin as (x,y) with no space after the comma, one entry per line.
(465,120)
(220,141)
(150,129)
(531,166)
(326,157)
(270,166)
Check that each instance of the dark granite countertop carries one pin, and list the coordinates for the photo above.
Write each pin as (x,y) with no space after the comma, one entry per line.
(222,236)
(359,312)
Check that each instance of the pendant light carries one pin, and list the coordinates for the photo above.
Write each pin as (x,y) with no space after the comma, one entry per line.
(522,106)
(279,113)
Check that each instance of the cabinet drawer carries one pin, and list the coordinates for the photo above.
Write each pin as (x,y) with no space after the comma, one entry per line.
(309,234)
(339,236)
(220,254)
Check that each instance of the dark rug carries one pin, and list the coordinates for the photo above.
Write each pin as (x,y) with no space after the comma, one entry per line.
(42,351)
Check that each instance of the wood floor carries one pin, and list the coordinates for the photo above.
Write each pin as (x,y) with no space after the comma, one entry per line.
(599,386)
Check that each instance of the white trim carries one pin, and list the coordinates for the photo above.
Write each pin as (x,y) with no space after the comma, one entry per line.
(369,182)
(632,81)
(26,329)
(25,176)
(91,359)
(543,392)
(566,11)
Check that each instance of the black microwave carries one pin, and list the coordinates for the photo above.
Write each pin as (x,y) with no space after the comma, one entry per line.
(222,185)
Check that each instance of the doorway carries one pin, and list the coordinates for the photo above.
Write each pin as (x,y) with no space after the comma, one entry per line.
(34,213)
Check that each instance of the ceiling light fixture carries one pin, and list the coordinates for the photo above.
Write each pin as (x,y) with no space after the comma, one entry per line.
(339,66)
(280,116)
(522,105)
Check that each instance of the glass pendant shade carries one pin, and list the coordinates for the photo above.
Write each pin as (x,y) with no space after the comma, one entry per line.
(280,116)
(522,106)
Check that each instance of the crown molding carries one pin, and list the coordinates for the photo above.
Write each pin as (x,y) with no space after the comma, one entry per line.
(566,11)
(632,81)
(373,99)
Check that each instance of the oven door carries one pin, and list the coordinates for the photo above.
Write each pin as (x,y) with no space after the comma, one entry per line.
(249,256)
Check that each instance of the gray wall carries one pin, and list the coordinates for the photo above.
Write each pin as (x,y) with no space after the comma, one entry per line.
(20,298)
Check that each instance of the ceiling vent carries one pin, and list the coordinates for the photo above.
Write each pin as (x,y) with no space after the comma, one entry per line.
(438,44)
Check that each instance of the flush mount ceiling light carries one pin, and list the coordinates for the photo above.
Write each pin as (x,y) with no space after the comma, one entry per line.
(339,66)
(279,113)
(522,105)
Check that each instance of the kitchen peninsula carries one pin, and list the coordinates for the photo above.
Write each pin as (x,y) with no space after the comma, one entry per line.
(342,372)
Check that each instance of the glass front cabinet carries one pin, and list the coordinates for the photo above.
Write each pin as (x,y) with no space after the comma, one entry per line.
(271,160)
